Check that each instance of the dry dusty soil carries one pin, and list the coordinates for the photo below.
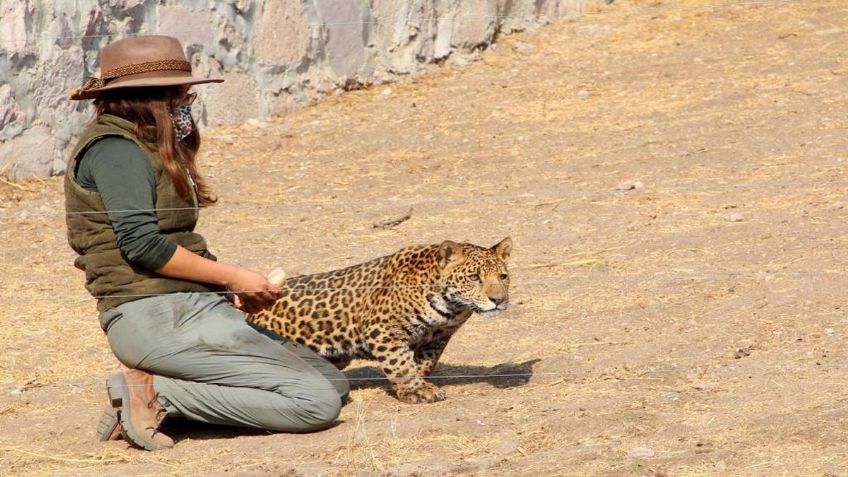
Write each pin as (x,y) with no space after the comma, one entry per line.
(673,176)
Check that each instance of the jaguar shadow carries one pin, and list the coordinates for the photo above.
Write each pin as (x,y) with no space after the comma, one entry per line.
(504,375)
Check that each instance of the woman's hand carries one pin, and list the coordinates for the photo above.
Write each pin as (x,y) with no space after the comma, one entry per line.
(251,292)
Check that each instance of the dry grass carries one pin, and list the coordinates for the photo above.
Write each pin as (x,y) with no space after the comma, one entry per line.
(648,317)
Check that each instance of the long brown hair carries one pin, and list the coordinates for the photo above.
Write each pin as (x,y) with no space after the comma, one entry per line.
(149,109)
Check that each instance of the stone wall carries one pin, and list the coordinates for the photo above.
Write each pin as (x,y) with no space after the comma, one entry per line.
(275,54)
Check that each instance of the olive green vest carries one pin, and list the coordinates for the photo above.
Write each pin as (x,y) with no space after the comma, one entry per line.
(109,276)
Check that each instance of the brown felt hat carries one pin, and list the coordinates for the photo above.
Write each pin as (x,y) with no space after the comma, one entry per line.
(141,61)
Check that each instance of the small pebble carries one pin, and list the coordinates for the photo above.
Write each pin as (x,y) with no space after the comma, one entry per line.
(631,185)
(829,331)
(227,138)
(523,48)
(735,217)
(458,60)
(257,123)
(829,31)
(386,92)
(641,453)
(582,94)
(837,206)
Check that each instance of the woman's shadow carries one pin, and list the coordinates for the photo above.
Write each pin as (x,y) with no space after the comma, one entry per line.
(504,375)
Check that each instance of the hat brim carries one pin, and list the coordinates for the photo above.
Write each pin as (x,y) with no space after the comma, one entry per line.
(143,83)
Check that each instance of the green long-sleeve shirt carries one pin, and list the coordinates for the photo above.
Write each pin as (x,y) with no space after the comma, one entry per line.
(119,171)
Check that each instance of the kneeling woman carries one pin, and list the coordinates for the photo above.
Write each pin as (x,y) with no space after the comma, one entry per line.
(132,196)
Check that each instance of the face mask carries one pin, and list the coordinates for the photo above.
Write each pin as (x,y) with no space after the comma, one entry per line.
(181,119)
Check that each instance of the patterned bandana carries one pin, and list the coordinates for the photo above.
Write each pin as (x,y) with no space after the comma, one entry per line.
(181,118)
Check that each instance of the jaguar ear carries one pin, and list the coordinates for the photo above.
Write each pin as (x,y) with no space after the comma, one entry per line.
(450,253)
(503,249)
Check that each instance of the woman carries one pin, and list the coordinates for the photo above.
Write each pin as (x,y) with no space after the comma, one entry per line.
(132,194)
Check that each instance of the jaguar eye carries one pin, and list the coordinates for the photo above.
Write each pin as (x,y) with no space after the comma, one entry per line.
(504,276)
(474,277)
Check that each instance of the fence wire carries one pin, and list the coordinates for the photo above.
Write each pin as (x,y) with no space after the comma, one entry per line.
(564,281)
(525,198)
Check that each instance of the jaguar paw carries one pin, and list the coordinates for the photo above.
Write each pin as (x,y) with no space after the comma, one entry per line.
(425,393)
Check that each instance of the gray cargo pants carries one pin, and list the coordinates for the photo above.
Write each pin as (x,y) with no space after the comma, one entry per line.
(210,365)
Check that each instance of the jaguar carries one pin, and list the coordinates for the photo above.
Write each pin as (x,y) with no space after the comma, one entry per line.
(400,310)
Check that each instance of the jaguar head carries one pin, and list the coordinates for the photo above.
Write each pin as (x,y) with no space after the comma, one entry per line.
(475,277)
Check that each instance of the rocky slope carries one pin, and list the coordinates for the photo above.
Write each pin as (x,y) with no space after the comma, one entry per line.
(275,54)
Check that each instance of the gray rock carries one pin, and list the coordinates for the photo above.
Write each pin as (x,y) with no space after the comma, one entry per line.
(234,100)
(192,26)
(474,25)
(523,48)
(342,23)
(31,154)
(641,453)
(282,47)
(14,37)
(8,107)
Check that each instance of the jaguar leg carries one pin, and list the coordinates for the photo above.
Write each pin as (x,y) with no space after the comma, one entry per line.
(428,354)
(397,360)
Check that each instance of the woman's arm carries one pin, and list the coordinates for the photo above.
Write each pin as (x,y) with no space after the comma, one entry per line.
(120,172)
(252,292)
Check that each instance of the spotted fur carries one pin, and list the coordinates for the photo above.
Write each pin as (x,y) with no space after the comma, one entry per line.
(399,310)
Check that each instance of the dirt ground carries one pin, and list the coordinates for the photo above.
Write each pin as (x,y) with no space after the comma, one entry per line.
(672,175)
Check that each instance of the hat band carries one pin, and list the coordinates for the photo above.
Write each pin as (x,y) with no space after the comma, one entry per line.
(161,65)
